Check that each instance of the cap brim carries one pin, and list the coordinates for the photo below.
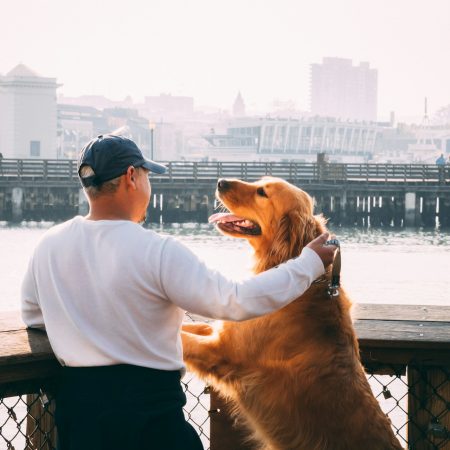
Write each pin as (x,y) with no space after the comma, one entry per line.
(154,166)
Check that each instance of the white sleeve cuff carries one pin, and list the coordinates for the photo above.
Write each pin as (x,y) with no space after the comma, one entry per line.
(314,261)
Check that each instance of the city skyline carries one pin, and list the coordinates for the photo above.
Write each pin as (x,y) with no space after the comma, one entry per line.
(210,51)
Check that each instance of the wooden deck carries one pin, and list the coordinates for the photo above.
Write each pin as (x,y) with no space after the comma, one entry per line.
(391,337)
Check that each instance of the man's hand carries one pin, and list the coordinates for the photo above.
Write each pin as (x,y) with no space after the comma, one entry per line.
(326,252)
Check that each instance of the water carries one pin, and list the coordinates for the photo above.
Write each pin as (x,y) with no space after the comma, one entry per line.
(378,266)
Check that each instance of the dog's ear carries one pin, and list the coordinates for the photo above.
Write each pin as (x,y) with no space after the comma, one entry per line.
(294,232)
(320,226)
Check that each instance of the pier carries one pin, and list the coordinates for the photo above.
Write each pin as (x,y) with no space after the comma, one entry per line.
(405,350)
(376,195)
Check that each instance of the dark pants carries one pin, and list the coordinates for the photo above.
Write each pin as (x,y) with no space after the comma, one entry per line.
(122,408)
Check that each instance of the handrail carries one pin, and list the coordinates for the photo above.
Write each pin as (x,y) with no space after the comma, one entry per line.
(410,344)
(63,170)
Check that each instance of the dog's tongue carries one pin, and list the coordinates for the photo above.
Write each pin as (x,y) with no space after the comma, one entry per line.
(224,217)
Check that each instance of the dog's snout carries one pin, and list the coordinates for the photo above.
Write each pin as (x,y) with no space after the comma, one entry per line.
(223,185)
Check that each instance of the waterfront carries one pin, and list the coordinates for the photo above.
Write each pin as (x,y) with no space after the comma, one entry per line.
(404,266)
(375,195)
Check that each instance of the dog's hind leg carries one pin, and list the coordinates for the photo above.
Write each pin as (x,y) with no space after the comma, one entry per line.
(202,329)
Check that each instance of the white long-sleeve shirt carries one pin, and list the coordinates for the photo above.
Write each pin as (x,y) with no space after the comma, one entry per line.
(111,292)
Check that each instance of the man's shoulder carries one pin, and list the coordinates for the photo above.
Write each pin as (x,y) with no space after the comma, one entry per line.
(61,227)
(133,233)
(53,237)
(150,237)
(56,230)
(140,236)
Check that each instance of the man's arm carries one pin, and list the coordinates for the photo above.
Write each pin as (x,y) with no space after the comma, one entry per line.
(30,309)
(188,283)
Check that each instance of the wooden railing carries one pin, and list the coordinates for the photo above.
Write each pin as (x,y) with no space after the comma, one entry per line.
(66,170)
(405,344)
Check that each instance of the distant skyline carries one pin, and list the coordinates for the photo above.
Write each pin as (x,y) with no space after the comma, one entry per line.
(210,50)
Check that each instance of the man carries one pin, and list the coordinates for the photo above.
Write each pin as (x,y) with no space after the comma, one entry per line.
(112,295)
(441,160)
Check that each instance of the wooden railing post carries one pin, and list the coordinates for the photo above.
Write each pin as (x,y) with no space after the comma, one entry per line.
(194,171)
(19,168)
(428,400)
(41,428)
(441,175)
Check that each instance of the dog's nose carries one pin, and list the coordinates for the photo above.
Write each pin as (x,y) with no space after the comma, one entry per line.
(223,185)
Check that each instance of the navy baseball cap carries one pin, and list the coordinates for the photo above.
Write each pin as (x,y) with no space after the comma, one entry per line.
(110,156)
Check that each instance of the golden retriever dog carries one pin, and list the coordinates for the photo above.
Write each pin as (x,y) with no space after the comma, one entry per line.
(294,375)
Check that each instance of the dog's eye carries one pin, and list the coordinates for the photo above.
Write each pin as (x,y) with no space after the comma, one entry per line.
(261,192)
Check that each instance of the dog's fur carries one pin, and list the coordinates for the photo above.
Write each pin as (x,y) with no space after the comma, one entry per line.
(294,375)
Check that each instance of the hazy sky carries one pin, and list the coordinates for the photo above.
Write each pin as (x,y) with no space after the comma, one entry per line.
(210,49)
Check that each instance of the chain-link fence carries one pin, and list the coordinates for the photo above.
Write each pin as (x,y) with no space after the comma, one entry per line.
(417,402)
(197,407)
(27,421)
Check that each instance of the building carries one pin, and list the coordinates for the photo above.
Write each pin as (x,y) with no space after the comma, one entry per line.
(167,107)
(239,106)
(266,139)
(27,114)
(167,141)
(77,125)
(95,101)
(431,141)
(344,91)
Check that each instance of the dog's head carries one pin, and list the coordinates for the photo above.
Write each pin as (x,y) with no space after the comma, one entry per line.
(275,216)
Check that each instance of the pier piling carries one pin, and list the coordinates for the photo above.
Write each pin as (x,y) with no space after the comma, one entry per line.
(410,209)
(83,206)
(17,200)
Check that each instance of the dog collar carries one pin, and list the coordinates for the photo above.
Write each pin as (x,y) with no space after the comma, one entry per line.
(333,288)
(335,282)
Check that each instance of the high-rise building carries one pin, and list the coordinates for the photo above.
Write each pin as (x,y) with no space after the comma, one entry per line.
(27,114)
(344,91)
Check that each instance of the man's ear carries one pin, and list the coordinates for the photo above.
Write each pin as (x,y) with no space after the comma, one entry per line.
(131,177)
